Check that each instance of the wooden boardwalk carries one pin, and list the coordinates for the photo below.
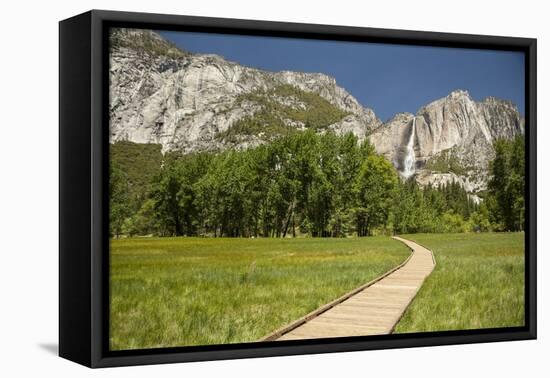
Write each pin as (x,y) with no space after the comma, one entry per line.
(372,309)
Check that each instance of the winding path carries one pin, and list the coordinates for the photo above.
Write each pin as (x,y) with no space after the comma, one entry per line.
(371,309)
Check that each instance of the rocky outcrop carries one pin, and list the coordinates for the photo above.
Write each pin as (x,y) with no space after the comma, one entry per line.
(183,101)
(454,135)
(436,179)
(391,139)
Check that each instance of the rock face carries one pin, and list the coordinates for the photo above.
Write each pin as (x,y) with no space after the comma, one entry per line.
(391,139)
(183,101)
(190,102)
(451,139)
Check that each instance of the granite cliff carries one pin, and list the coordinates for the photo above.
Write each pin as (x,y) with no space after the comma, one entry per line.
(188,102)
(448,139)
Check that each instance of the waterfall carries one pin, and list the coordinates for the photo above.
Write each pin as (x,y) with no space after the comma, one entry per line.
(409,161)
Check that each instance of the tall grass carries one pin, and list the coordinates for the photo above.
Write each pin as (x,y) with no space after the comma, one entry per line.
(478,283)
(196,291)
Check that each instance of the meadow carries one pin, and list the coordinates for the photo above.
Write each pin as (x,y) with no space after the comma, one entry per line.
(478,282)
(184,291)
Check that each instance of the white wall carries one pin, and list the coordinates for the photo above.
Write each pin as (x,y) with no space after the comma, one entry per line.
(28,188)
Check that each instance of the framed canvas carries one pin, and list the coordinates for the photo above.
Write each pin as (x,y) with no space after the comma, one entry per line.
(235,188)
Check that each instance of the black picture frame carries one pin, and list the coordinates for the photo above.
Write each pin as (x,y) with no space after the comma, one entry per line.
(83,181)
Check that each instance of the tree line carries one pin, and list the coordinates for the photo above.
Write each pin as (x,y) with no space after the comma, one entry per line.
(320,185)
(506,188)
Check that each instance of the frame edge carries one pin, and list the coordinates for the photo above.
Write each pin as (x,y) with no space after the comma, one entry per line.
(74,192)
(99,356)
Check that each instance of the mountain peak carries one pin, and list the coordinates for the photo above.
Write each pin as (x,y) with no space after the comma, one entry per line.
(459,93)
(401,117)
(144,41)
(458,96)
(491,100)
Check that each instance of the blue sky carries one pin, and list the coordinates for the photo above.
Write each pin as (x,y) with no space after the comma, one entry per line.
(387,78)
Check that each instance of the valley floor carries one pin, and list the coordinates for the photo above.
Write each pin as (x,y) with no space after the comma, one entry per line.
(196,291)
(478,282)
(169,292)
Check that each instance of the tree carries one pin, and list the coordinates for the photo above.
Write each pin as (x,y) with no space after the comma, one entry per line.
(408,212)
(349,163)
(480,219)
(375,189)
(516,184)
(507,184)
(452,222)
(119,203)
(144,222)
(166,194)
(190,169)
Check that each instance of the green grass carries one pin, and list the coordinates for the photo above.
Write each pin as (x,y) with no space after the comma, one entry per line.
(478,283)
(195,291)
